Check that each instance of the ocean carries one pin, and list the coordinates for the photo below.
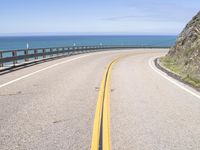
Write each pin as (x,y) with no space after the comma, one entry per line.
(20,42)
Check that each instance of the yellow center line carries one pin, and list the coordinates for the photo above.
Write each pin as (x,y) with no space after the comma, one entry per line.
(101,127)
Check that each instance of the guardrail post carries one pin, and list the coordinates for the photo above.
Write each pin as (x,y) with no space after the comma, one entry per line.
(63,49)
(1,56)
(68,53)
(14,54)
(73,49)
(81,49)
(57,49)
(51,50)
(44,51)
(26,53)
(35,52)
(78,50)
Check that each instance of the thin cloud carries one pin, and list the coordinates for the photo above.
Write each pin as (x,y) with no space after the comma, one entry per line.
(118,18)
(152,17)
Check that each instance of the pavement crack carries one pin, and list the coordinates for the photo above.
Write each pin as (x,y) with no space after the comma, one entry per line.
(97,88)
(112,90)
(59,121)
(12,94)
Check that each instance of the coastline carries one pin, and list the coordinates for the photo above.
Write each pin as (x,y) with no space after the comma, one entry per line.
(20,42)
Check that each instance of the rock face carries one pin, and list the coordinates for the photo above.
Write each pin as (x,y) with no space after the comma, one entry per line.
(185,54)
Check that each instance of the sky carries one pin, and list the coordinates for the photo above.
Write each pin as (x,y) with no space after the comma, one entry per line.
(79,17)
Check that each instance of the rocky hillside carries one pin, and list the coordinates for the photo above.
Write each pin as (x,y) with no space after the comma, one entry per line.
(184,56)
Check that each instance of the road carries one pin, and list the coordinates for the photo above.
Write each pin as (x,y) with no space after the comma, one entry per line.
(52,105)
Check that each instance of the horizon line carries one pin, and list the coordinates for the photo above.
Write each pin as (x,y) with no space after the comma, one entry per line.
(82,34)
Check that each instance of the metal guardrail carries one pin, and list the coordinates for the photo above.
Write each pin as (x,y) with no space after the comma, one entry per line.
(13,58)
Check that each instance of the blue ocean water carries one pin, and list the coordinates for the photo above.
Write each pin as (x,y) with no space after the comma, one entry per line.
(20,42)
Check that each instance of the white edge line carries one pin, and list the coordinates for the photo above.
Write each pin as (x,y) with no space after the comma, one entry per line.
(151,64)
(46,68)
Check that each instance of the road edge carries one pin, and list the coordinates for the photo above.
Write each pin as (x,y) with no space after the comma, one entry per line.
(181,85)
(172,74)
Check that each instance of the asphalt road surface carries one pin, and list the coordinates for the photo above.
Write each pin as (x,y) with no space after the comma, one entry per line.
(51,105)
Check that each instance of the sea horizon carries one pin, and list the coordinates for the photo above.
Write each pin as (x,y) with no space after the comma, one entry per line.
(46,41)
(85,34)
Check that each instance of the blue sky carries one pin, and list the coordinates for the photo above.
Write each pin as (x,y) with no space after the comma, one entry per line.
(19,17)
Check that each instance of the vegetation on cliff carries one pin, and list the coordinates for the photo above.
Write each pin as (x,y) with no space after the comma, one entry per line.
(184,57)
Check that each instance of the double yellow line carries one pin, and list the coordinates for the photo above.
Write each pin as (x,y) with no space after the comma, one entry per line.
(101,127)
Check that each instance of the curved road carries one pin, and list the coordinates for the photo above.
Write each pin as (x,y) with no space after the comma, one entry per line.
(52,105)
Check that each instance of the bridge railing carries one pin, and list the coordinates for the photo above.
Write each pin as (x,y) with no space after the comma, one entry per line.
(12,58)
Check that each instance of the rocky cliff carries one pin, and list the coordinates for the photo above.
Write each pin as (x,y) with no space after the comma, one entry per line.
(184,56)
